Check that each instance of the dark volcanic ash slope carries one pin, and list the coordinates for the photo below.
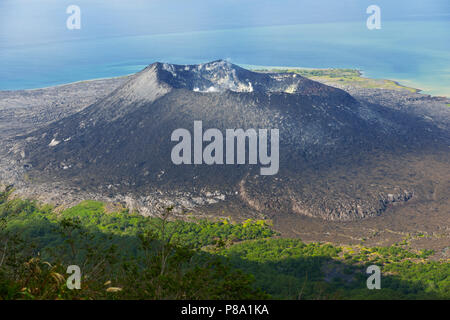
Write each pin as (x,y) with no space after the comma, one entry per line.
(339,159)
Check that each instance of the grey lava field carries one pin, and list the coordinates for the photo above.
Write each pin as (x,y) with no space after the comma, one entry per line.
(352,160)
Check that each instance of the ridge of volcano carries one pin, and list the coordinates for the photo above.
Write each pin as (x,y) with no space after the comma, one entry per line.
(340,159)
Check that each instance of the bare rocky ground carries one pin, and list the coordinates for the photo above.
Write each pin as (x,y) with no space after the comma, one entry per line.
(422,221)
(24,111)
(27,110)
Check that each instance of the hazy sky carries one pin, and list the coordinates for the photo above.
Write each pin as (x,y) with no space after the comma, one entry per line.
(25,22)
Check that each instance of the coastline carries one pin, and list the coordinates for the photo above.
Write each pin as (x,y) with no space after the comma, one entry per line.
(380,83)
(20,109)
(360,73)
(70,83)
(246,66)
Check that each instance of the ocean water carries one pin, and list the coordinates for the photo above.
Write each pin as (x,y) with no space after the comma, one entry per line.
(415,53)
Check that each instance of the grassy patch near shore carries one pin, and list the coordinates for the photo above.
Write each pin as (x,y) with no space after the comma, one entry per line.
(345,77)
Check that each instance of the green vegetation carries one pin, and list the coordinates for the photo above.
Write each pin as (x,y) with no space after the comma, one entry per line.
(126,256)
(338,77)
(289,268)
(332,73)
(286,268)
(120,259)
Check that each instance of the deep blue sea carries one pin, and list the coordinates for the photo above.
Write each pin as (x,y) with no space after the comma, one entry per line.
(415,53)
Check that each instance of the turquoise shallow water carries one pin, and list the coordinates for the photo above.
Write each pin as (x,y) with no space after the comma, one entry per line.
(416,53)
